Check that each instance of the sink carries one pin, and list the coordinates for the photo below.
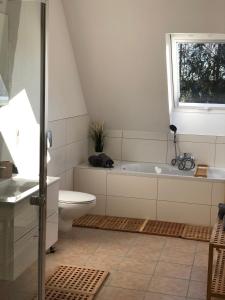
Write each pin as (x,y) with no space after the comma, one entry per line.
(15,189)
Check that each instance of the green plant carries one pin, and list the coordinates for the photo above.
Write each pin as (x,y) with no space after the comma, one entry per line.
(97,135)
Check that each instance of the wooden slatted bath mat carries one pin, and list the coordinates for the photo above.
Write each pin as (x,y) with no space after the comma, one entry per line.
(172,229)
(74,283)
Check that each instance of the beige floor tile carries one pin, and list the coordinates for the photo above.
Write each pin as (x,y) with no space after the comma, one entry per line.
(202,247)
(197,290)
(144,253)
(128,280)
(138,265)
(170,286)
(152,242)
(181,245)
(157,296)
(112,293)
(104,262)
(75,259)
(176,256)
(173,270)
(113,248)
(201,260)
(199,273)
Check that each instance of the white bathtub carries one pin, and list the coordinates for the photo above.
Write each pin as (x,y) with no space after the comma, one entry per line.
(217,174)
(136,190)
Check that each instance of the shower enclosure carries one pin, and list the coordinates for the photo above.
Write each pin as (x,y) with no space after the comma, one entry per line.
(23,142)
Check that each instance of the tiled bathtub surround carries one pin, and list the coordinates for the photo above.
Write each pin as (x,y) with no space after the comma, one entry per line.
(144,146)
(148,196)
(70,148)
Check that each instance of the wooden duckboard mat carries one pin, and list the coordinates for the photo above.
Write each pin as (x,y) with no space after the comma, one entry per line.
(60,295)
(76,280)
(199,233)
(164,228)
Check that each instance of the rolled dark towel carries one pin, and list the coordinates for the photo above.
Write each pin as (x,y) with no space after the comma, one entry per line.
(95,161)
(221,211)
(107,162)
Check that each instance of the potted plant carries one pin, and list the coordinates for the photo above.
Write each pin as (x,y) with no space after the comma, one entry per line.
(97,135)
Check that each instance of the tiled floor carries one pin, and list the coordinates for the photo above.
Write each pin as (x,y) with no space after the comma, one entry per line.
(142,267)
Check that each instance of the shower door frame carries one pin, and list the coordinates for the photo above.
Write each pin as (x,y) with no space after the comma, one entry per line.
(42,197)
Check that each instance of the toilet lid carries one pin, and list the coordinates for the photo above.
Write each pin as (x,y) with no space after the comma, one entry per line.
(75,197)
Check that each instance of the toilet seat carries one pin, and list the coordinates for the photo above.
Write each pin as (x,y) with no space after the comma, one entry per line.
(71,197)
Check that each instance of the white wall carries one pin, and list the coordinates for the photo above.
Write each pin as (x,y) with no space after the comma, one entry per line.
(121,55)
(68,117)
(65,93)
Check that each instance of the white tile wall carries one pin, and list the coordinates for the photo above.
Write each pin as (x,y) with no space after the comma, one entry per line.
(168,199)
(220,156)
(144,146)
(214,214)
(204,153)
(58,129)
(181,190)
(144,150)
(92,181)
(183,213)
(100,207)
(131,207)
(218,193)
(70,148)
(132,186)
(113,147)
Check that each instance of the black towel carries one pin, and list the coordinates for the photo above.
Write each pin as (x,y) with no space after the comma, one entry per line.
(101,160)
(107,162)
(221,211)
(95,161)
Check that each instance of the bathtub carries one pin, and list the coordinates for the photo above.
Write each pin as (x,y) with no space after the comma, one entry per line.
(217,174)
(140,190)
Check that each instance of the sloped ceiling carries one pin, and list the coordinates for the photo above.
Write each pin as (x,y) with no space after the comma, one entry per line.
(120,51)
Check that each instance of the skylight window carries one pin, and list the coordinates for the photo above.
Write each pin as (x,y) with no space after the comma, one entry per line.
(198,70)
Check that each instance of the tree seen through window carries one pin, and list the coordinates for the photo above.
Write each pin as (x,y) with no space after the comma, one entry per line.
(201,72)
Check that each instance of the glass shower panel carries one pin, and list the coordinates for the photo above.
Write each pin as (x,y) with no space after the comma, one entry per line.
(20,81)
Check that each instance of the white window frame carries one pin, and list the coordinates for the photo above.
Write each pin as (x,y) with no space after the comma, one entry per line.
(174,67)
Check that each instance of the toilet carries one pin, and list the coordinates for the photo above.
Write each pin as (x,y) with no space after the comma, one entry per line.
(73,205)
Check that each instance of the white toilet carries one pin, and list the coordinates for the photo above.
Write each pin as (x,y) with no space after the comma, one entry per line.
(73,205)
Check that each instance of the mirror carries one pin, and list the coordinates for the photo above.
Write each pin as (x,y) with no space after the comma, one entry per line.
(4,66)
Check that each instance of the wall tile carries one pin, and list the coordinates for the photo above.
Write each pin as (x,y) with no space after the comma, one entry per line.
(203,152)
(131,207)
(193,138)
(92,181)
(218,193)
(114,133)
(76,153)
(69,180)
(132,186)
(144,150)
(58,129)
(183,213)
(77,128)
(189,191)
(220,139)
(214,215)
(220,156)
(147,135)
(100,207)
(113,148)
(57,161)
(62,182)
